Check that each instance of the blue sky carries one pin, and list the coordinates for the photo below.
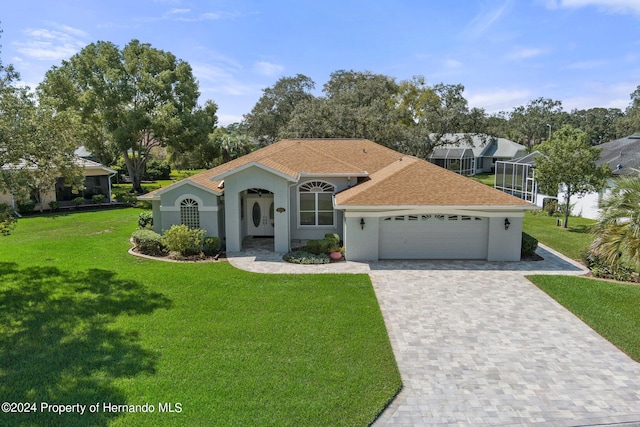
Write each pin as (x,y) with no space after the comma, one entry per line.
(585,53)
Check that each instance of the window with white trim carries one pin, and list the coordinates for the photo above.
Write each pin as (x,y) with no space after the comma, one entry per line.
(190,213)
(315,204)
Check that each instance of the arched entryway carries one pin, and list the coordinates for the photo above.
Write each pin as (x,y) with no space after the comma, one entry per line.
(260,212)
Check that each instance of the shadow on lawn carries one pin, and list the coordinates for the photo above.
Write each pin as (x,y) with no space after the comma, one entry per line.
(582,229)
(57,344)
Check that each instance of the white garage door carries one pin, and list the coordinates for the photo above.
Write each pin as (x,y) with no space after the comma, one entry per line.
(429,236)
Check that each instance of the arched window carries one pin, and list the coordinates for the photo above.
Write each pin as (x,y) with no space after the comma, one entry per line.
(315,204)
(189,213)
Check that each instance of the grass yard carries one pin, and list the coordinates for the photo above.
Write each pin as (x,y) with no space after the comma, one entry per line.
(176,175)
(485,178)
(570,241)
(82,321)
(610,308)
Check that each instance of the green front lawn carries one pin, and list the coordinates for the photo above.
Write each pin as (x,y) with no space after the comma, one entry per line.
(610,308)
(570,241)
(485,178)
(82,321)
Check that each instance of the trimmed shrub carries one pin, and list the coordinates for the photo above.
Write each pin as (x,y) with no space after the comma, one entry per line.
(184,240)
(126,198)
(529,245)
(97,198)
(78,201)
(332,236)
(600,268)
(54,205)
(148,242)
(26,206)
(145,220)
(210,245)
(303,257)
(321,246)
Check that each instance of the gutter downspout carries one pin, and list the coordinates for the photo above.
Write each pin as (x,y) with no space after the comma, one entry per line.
(111,176)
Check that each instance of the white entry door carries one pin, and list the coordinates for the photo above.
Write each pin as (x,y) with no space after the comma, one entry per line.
(260,215)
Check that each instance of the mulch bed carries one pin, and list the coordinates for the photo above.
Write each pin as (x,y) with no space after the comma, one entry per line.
(219,257)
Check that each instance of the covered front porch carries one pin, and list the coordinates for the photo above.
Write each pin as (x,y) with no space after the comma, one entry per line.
(264,246)
(256,205)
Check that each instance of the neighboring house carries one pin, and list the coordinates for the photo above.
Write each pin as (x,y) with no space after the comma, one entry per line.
(623,156)
(469,154)
(517,177)
(383,204)
(96,181)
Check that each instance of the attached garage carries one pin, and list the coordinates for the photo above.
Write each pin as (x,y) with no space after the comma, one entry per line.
(433,236)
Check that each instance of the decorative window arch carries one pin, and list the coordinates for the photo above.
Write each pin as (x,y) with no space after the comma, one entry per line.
(315,204)
(190,212)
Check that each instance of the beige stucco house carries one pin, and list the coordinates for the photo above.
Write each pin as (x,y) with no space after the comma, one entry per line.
(96,181)
(383,204)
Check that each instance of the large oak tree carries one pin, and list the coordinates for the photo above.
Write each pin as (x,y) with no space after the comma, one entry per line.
(132,99)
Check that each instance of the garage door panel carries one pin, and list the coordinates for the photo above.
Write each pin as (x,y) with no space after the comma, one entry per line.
(433,237)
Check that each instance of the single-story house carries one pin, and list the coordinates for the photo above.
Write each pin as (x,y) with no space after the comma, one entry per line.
(517,177)
(623,156)
(469,154)
(96,181)
(383,204)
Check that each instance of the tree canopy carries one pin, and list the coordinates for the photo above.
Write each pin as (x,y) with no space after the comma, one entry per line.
(409,116)
(275,107)
(36,145)
(569,165)
(132,100)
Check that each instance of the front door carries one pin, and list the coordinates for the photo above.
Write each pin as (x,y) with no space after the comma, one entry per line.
(260,215)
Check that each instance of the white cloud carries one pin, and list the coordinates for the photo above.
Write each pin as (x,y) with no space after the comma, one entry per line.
(484,20)
(221,80)
(615,95)
(452,63)
(187,15)
(267,68)
(585,65)
(610,6)
(525,53)
(47,44)
(494,101)
(178,11)
(227,119)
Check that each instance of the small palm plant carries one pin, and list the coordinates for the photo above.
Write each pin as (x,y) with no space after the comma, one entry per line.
(618,228)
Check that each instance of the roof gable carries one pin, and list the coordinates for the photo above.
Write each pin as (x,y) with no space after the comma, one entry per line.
(415,182)
(623,155)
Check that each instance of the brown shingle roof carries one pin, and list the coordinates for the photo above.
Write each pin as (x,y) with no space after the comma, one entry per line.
(394,179)
(414,182)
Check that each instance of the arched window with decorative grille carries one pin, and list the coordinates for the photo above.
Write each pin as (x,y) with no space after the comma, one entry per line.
(190,213)
(315,204)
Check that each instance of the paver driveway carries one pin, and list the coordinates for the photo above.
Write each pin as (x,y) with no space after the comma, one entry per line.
(478,344)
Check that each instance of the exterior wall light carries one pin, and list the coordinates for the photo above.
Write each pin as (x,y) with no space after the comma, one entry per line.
(506,223)
(362,223)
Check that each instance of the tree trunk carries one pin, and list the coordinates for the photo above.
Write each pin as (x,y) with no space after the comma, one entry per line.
(566,212)
(135,174)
